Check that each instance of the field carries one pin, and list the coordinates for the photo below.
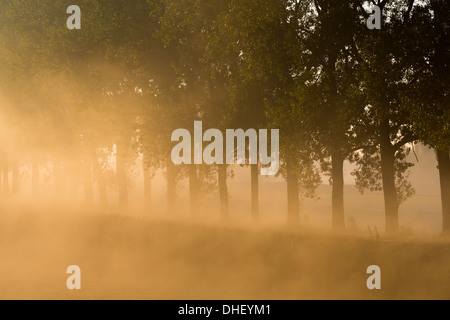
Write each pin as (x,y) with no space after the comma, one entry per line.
(132,258)
(134,148)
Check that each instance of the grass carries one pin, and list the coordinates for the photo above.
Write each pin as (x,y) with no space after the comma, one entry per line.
(128,258)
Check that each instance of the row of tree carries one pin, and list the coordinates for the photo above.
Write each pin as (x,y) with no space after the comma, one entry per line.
(139,69)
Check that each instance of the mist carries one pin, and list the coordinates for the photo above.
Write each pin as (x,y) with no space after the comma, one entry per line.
(359,172)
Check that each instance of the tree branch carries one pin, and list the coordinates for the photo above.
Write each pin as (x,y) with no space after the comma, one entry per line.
(383,4)
(356,53)
(406,139)
(408,11)
(365,14)
(319,10)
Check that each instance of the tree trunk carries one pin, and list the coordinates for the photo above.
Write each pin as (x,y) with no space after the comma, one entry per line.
(337,135)
(58,180)
(388,173)
(122,176)
(292,197)
(193,189)
(223,190)
(35,177)
(87,182)
(5,169)
(147,188)
(101,184)
(254,191)
(73,168)
(16,178)
(337,197)
(444,176)
(171,186)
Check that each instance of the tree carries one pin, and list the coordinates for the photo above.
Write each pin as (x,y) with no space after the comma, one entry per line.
(258,56)
(426,89)
(332,94)
(386,123)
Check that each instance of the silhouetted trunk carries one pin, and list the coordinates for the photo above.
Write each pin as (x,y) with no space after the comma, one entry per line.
(193,189)
(73,168)
(337,136)
(388,173)
(35,177)
(292,197)
(171,186)
(147,188)
(223,190)
(57,175)
(15,178)
(122,176)
(444,175)
(5,169)
(87,182)
(101,184)
(337,193)
(254,191)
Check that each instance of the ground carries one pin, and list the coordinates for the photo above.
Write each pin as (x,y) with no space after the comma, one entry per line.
(130,258)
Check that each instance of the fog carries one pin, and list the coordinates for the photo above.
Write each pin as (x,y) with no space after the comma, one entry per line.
(124,258)
(150,252)
(87,176)
(155,254)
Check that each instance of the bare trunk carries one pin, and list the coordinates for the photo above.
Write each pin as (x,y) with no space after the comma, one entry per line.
(87,182)
(122,176)
(147,188)
(5,170)
(101,184)
(73,169)
(223,190)
(254,191)
(35,177)
(444,175)
(58,180)
(171,186)
(337,132)
(388,172)
(337,199)
(16,178)
(193,189)
(292,197)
